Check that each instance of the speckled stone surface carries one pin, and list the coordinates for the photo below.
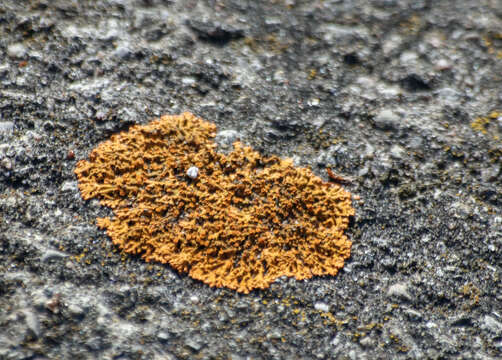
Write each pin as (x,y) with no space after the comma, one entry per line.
(398,97)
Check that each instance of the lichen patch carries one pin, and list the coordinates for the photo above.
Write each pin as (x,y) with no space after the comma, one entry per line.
(241,223)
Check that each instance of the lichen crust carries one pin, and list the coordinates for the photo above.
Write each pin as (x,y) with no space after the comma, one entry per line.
(244,221)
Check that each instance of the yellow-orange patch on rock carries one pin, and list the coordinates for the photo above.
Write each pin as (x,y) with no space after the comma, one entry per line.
(244,221)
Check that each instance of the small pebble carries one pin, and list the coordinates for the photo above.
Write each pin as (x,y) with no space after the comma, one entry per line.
(50,255)
(194,344)
(397,152)
(387,119)
(6,164)
(4,70)
(413,315)
(6,127)
(123,51)
(69,185)
(17,50)
(399,290)
(32,322)
(193,172)
(320,306)
(76,311)
(442,64)
(163,336)
(226,137)
(313,102)
(367,341)
(489,323)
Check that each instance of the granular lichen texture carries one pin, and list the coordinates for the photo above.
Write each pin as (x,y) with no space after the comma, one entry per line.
(244,221)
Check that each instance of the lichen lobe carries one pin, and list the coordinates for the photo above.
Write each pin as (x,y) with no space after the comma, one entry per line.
(244,221)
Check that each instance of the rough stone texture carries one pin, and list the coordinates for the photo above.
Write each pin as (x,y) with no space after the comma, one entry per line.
(304,79)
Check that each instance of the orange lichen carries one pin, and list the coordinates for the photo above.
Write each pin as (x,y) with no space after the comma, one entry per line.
(244,221)
(493,43)
(482,125)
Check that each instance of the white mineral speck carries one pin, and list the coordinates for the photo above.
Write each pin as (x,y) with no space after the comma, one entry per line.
(17,50)
(320,306)
(192,172)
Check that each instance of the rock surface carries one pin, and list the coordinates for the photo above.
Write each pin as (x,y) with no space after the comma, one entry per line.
(398,97)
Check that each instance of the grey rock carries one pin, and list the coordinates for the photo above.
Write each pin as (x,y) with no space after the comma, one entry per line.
(163,336)
(6,127)
(382,243)
(48,125)
(17,50)
(415,142)
(367,341)
(127,114)
(6,163)
(382,166)
(399,290)
(398,98)
(214,31)
(408,57)
(498,345)
(450,95)
(448,343)
(17,276)
(236,357)
(387,119)
(413,315)
(320,306)
(389,262)
(39,299)
(490,174)
(76,311)
(51,255)
(32,323)
(397,152)
(275,334)
(4,70)
(336,340)
(194,343)
(227,137)
(490,324)
(69,185)
(94,343)
(333,33)
(123,51)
